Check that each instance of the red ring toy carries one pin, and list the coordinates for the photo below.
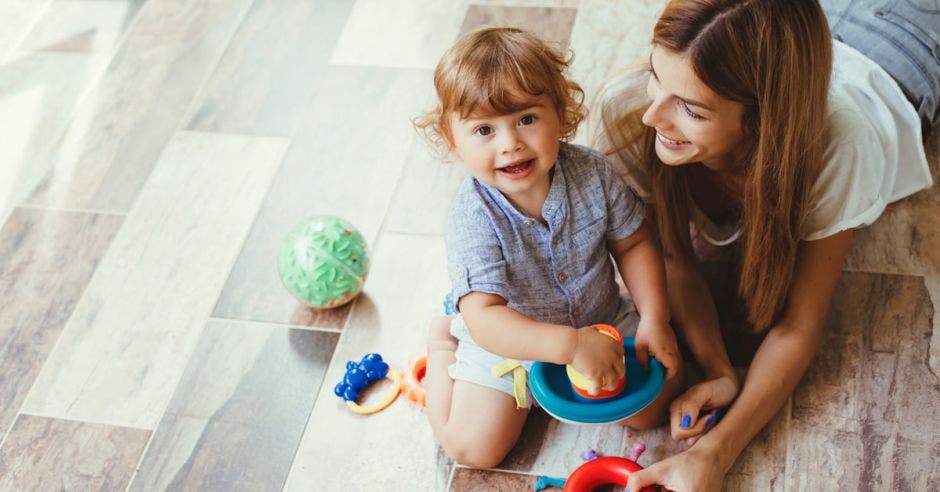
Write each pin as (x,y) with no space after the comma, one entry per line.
(606,470)
(411,380)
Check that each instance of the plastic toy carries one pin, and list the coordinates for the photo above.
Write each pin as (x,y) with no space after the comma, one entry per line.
(411,379)
(589,455)
(359,375)
(552,390)
(323,262)
(544,482)
(606,470)
(580,383)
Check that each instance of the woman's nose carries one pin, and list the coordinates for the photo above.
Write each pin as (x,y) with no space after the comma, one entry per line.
(653,117)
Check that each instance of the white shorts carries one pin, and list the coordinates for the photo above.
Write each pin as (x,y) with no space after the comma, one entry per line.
(474,364)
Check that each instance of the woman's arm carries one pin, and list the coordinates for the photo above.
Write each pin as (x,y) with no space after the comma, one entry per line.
(779,364)
(788,349)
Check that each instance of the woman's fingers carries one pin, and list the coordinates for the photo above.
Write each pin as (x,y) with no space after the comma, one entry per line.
(645,477)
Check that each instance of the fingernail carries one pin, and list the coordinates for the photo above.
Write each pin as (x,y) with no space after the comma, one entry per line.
(710,419)
(686,421)
(719,412)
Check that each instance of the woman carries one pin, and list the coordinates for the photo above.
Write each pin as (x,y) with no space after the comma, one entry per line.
(753,127)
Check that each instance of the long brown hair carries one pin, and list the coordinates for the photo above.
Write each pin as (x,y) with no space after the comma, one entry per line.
(775,58)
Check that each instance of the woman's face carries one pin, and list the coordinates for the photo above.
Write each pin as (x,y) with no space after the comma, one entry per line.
(693,124)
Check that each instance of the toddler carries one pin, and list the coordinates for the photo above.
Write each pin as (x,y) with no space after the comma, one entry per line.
(529,243)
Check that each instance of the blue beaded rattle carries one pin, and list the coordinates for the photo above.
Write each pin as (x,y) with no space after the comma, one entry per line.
(363,373)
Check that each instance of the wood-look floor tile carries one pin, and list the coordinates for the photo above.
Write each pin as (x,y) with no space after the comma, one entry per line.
(131,334)
(904,239)
(39,290)
(265,79)
(341,450)
(82,25)
(50,454)
(608,36)
(17,17)
(398,34)
(865,413)
(239,410)
(551,447)
(345,160)
(551,24)
(470,479)
(38,95)
(424,195)
(121,127)
(933,288)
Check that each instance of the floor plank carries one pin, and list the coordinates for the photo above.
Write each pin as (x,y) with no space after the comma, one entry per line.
(39,291)
(258,90)
(395,447)
(85,26)
(130,337)
(38,96)
(17,17)
(239,410)
(858,416)
(345,160)
(51,454)
(121,128)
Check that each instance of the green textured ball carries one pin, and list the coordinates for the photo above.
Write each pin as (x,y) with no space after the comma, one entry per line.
(323,262)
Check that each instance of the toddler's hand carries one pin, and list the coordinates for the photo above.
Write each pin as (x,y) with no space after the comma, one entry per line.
(656,338)
(599,358)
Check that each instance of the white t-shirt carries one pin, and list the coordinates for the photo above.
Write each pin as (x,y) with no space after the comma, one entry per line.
(875,155)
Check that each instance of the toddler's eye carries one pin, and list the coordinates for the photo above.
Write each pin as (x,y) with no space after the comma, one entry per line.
(483,130)
(527,119)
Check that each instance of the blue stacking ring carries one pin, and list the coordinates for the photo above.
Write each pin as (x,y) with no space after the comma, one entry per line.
(552,390)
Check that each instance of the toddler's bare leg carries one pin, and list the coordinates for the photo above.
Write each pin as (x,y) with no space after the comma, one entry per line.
(657,413)
(476,425)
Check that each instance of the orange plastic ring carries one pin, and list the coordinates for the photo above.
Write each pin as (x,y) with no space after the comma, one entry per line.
(411,380)
(396,381)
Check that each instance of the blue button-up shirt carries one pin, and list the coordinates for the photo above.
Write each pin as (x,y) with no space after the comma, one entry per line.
(558,272)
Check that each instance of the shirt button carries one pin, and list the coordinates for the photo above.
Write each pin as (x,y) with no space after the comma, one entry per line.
(562,277)
(576,312)
(529,222)
(461,273)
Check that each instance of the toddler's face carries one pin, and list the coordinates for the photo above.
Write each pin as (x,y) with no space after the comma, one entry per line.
(511,152)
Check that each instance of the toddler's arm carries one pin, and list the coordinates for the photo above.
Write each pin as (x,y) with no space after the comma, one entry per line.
(502,330)
(643,271)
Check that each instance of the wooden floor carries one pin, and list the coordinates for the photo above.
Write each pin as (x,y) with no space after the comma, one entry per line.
(156,152)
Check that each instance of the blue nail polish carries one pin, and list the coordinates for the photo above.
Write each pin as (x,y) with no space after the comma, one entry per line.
(686,421)
(719,412)
(709,420)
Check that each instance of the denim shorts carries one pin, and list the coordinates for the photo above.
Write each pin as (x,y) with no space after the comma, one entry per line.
(903,37)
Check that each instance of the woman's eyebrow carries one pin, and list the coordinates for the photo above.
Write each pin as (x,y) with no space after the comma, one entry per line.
(686,100)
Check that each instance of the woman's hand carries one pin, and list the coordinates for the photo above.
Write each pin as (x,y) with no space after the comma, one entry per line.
(599,358)
(698,409)
(655,337)
(697,469)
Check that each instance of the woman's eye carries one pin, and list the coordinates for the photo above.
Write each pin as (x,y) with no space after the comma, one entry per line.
(527,119)
(691,113)
(483,131)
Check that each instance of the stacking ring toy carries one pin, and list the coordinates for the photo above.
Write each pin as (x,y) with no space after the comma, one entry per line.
(606,470)
(580,383)
(552,390)
(411,379)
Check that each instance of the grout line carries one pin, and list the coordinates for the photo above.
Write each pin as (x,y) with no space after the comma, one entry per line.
(278,325)
(89,211)
(82,421)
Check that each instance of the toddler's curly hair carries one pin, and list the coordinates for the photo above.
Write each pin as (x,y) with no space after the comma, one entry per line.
(496,71)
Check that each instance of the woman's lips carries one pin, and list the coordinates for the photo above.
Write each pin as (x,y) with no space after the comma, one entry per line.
(670,143)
